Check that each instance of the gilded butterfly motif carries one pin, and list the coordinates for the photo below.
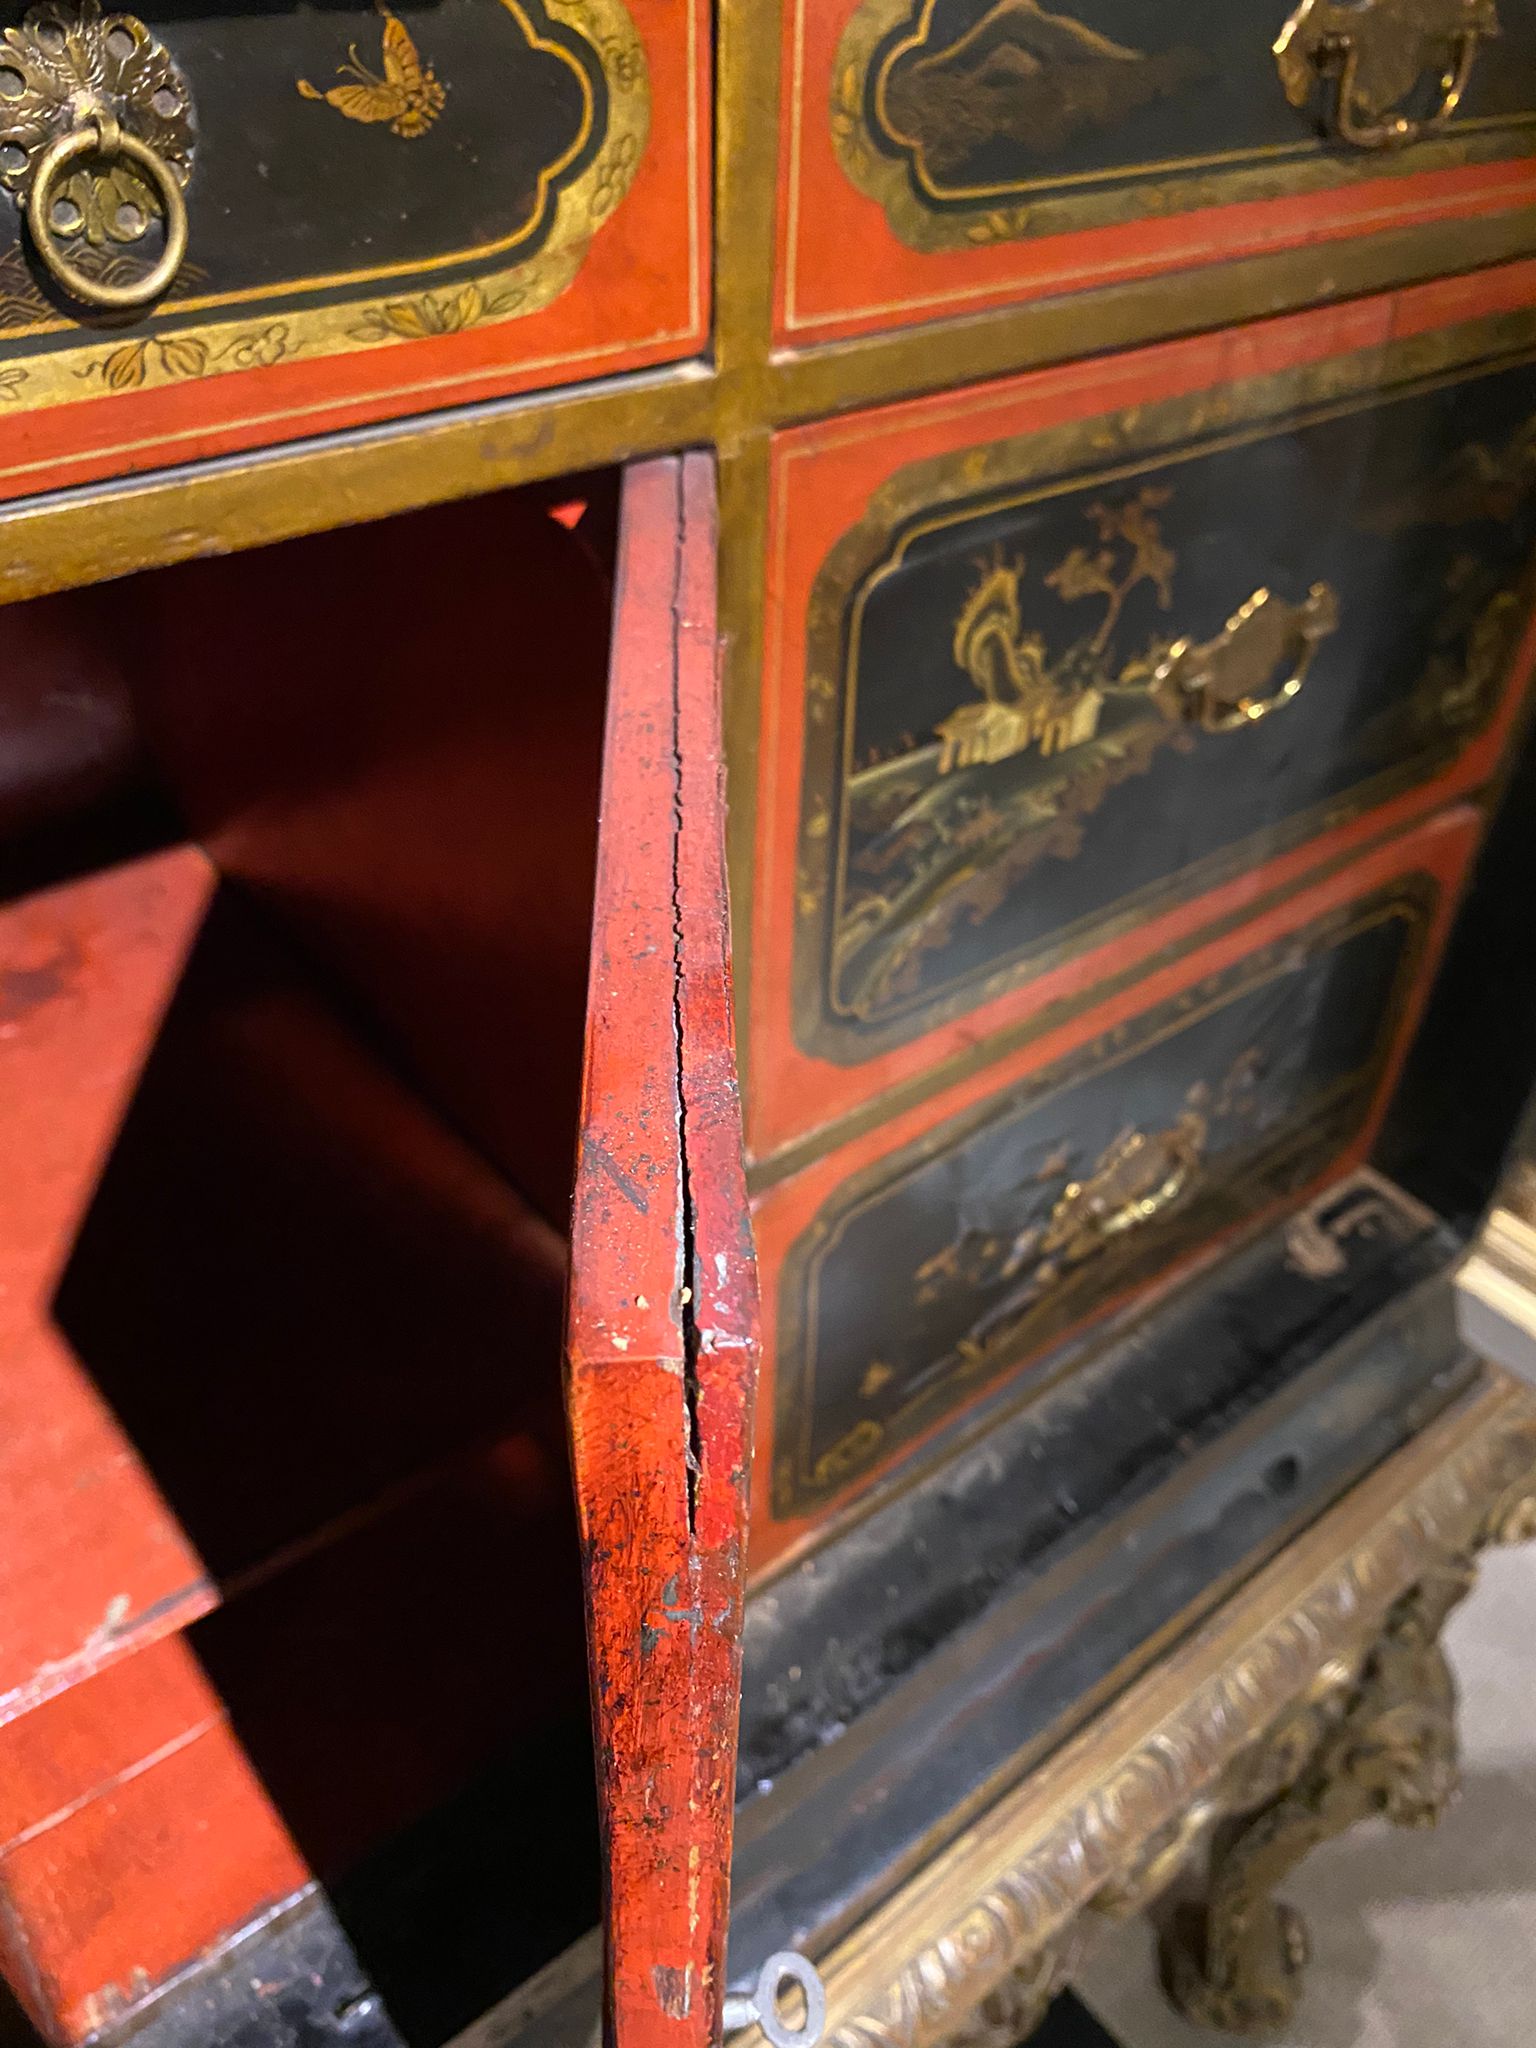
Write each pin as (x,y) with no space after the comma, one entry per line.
(407,96)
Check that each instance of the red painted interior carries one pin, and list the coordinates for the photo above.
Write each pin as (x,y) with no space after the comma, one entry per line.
(289,1109)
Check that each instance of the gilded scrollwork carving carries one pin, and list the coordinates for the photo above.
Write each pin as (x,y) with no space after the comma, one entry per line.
(1329,1698)
(1236,1960)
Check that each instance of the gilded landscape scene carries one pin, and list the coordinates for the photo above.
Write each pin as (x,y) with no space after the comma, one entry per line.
(1060,710)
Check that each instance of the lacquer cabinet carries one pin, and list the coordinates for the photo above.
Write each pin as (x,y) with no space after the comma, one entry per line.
(765,821)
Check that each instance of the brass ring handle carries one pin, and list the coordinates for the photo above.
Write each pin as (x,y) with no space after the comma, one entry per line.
(102,136)
(1137,1178)
(1395,130)
(1131,1215)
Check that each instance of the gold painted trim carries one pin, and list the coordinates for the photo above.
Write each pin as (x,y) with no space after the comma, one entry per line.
(69,537)
(812,381)
(168,351)
(73,538)
(967,217)
(974,1945)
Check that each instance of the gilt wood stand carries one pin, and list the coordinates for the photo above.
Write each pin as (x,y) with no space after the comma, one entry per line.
(1316,1697)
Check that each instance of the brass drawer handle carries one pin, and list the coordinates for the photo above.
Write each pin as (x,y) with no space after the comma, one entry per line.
(1139,1176)
(1375,55)
(1226,683)
(93,138)
(96,134)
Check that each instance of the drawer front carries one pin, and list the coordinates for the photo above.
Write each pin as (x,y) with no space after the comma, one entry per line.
(952,1249)
(944,154)
(305,217)
(1073,667)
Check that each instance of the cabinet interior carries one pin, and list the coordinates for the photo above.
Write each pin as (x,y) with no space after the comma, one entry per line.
(318,1278)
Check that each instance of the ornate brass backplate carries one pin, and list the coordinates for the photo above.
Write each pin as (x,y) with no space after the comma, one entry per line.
(1374,57)
(1145,695)
(97,138)
(978,121)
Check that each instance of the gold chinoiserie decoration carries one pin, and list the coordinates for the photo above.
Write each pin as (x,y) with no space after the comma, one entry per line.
(96,142)
(1374,56)
(406,94)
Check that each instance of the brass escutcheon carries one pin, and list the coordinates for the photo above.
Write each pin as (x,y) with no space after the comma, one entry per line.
(96,136)
(1375,55)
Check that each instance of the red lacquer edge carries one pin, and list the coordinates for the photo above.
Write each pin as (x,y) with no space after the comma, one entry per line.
(842,271)
(824,477)
(662,1325)
(1442,846)
(96,1564)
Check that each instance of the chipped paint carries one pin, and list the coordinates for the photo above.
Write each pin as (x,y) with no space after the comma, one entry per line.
(661,1372)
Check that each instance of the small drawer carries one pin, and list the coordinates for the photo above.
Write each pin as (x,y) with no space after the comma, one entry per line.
(1074,668)
(944,155)
(222,229)
(956,1250)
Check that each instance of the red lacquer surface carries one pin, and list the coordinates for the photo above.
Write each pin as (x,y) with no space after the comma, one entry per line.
(662,1318)
(842,270)
(150,1811)
(93,1560)
(1442,848)
(824,477)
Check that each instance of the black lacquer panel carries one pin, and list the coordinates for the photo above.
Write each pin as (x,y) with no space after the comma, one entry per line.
(332,149)
(983,97)
(1043,690)
(963,1255)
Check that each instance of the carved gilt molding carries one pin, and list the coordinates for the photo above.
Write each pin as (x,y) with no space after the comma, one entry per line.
(970,1951)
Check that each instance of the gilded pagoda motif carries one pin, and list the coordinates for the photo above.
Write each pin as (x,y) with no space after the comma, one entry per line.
(1025,701)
